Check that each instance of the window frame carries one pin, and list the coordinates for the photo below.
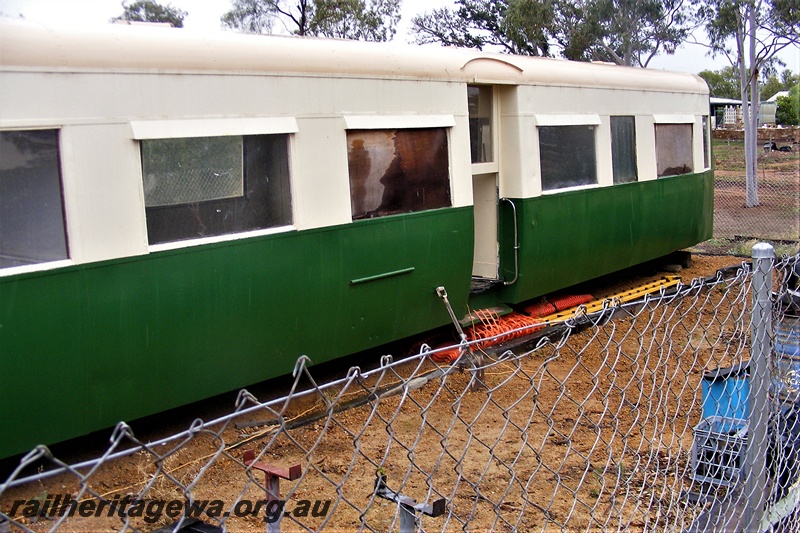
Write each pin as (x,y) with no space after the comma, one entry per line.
(396,193)
(633,151)
(675,120)
(589,120)
(491,99)
(399,122)
(62,193)
(218,127)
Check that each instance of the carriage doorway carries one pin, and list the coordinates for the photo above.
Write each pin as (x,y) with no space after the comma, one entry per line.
(484,195)
(482,101)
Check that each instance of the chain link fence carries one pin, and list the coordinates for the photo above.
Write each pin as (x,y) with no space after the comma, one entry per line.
(777,217)
(676,412)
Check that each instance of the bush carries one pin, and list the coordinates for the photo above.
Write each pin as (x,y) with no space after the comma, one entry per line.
(788,113)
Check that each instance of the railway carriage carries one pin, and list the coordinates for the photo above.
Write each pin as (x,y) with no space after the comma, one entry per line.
(185,214)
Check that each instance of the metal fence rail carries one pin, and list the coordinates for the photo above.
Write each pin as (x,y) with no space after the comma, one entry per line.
(607,422)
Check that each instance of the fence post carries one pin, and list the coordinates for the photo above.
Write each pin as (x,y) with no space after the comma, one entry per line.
(755,464)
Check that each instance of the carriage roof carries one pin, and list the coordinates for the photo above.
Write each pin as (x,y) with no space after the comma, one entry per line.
(147,48)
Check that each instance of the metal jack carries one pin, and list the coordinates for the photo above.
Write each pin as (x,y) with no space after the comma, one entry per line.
(474,359)
(408,507)
(273,476)
(441,292)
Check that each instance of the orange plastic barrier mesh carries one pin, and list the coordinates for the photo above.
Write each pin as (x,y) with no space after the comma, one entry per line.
(541,309)
(490,326)
(501,329)
(568,302)
(555,305)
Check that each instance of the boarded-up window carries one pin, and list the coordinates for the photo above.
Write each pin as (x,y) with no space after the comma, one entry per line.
(623,149)
(397,171)
(210,186)
(567,156)
(32,228)
(673,149)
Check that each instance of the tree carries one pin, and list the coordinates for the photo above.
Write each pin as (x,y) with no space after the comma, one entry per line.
(758,30)
(788,112)
(375,20)
(723,83)
(787,13)
(151,11)
(514,26)
(771,86)
(789,79)
(367,20)
(775,84)
(626,32)
(444,26)
(257,16)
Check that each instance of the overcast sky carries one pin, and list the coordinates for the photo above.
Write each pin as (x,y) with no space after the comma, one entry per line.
(205,15)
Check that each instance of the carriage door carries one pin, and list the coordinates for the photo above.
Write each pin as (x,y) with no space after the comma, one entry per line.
(483,142)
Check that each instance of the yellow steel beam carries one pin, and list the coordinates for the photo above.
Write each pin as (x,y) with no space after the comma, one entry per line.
(616,299)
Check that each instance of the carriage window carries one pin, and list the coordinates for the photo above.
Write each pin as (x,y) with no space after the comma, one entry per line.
(623,149)
(479,99)
(567,156)
(32,226)
(397,171)
(706,142)
(673,149)
(209,186)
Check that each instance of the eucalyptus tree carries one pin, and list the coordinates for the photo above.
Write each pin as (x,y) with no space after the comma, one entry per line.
(626,32)
(373,20)
(723,83)
(512,26)
(367,20)
(633,32)
(750,33)
(150,11)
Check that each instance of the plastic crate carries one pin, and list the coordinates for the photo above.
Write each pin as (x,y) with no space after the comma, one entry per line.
(726,392)
(720,444)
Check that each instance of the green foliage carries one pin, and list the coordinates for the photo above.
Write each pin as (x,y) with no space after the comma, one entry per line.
(774,84)
(632,32)
(256,16)
(770,87)
(626,32)
(151,11)
(515,26)
(580,28)
(367,20)
(728,20)
(527,24)
(788,112)
(444,26)
(786,16)
(722,83)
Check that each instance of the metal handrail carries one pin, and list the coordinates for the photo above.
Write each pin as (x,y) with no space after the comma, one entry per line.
(516,243)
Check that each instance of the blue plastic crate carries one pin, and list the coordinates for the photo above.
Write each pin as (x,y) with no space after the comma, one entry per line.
(726,392)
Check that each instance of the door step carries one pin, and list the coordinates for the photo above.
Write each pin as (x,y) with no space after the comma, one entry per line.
(480,284)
